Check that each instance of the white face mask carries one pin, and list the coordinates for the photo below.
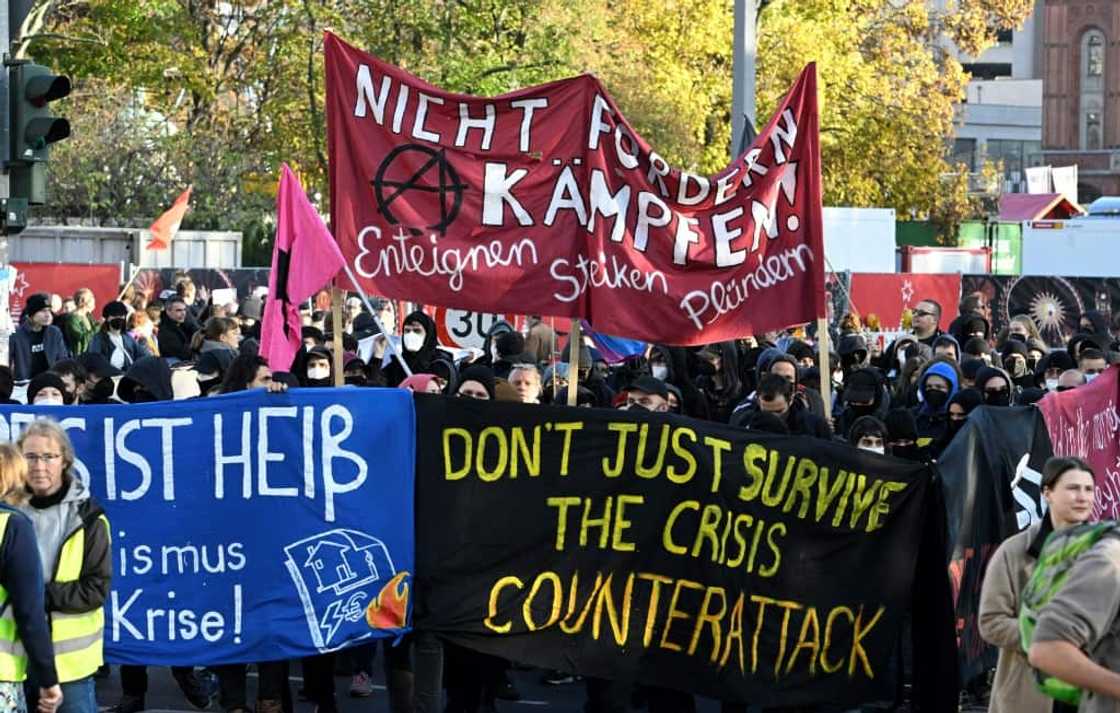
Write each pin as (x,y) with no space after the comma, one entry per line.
(877,449)
(412,341)
(318,372)
(838,377)
(659,372)
(1051,384)
(1090,377)
(49,401)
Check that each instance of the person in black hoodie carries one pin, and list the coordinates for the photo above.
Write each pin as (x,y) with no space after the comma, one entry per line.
(996,386)
(1014,357)
(865,394)
(776,396)
(149,379)
(719,379)
(418,347)
(670,364)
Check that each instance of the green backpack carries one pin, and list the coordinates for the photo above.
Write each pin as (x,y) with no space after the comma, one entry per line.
(1055,561)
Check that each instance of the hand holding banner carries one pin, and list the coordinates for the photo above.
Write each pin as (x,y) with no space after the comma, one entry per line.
(546,201)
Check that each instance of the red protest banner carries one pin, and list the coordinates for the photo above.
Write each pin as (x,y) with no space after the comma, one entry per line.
(888,294)
(1085,423)
(64,279)
(546,201)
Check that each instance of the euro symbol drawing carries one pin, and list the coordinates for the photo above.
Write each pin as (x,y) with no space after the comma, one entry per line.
(423,184)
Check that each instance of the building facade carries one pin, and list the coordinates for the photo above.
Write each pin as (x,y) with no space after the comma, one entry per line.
(1081,94)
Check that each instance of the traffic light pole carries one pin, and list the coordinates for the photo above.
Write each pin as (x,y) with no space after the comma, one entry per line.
(6,279)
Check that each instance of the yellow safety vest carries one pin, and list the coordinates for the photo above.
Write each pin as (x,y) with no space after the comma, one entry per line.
(77,637)
(13,658)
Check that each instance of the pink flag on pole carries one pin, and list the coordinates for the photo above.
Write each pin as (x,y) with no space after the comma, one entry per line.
(304,259)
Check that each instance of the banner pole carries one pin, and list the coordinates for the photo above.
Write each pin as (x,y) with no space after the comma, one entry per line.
(377,320)
(132,273)
(336,334)
(825,367)
(574,340)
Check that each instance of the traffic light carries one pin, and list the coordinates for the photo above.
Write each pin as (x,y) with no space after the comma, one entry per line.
(31,127)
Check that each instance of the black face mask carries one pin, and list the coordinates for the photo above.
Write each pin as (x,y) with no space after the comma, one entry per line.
(141,396)
(101,392)
(911,452)
(954,427)
(858,411)
(355,380)
(319,382)
(998,398)
(936,399)
(1019,337)
(117,323)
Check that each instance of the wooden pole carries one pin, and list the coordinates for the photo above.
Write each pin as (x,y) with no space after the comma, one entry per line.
(574,343)
(825,367)
(336,334)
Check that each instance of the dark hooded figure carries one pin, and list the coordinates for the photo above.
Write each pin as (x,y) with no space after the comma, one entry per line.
(1085,341)
(939,382)
(1095,323)
(671,365)
(865,394)
(868,433)
(1014,357)
(1050,368)
(970,325)
(719,379)
(905,439)
(996,386)
(947,345)
(314,367)
(418,347)
(960,406)
(148,379)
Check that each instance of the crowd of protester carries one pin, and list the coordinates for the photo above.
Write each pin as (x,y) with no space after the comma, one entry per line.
(908,398)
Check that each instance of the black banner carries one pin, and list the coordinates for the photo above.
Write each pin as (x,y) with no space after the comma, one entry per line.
(1055,304)
(992,476)
(677,553)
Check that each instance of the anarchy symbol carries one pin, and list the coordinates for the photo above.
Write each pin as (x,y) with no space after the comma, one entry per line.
(419,189)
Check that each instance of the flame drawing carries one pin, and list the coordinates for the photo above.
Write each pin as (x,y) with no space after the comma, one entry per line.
(390,609)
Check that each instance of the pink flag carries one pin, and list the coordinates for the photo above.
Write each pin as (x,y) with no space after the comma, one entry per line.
(304,259)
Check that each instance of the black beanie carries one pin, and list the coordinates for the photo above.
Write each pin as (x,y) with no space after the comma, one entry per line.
(37,302)
(42,381)
(482,374)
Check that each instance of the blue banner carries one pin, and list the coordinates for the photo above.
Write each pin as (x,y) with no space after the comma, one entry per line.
(252,526)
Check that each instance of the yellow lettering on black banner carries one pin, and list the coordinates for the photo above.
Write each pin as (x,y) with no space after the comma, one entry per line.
(655,580)
(769,497)
(740,540)
(753,453)
(561,504)
(813,645)
(623,430)
(709,523)
(667,533)
(498,436)
(674,613)
(523,453)
(573,628)
(680,477)
(882,507)
(621,524)
(843,504)
(567,428)
(714,620)
(788,607)
(770,571)
(651,471)
(803,486)
(825,666)
(619,625)
(826,492)
(557,597)
(862,498)
(495,592)
(602,523)
(857,647)
(719,446)
(449,471)
(762,602)
(735,635)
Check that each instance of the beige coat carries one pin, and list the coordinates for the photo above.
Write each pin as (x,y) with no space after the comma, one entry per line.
(1013,689)
(1085,612)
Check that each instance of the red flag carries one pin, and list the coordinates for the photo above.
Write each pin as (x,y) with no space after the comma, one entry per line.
(165,226)
(546,201)
(304,259)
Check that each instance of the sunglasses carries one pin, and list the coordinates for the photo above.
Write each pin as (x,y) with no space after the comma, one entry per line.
(923,313)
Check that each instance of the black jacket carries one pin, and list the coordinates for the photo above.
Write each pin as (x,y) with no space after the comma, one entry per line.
(21,574)
(174,339)
(19,350)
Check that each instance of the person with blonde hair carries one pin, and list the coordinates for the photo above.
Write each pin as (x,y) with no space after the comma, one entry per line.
(141,329)
(25,641)
(73,539)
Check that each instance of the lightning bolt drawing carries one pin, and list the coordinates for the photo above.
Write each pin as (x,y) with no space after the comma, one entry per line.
(333,618)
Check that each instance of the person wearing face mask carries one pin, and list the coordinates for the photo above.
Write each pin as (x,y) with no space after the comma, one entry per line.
(969,369)
(1069,491)
(418,347)
(1050,369)
(903,440)
(960,406)
(869,434)
(506,349)
(996,386)
(47,389)
(719,379)
(113,341)
(865,394)
(1091,362)
(100,384)
(853,353)
(977,348)
(938,382)
(315,370)
(1014,359)
(354,371)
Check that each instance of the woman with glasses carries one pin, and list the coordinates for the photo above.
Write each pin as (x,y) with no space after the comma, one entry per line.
(25,641)
(73,538)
